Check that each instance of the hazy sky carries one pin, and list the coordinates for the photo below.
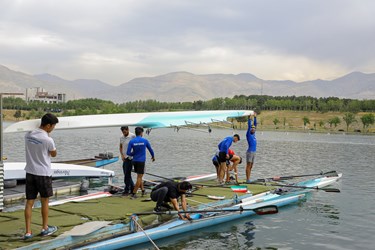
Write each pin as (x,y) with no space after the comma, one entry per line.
(117,40)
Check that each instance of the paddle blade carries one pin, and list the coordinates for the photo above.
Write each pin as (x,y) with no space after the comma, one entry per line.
(332,190)
(271,209)
(331,174)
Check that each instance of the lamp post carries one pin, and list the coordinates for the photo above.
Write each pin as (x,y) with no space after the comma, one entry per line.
(1,150)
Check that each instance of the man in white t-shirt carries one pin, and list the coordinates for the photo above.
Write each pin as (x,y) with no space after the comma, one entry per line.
(126,160)
(40,147)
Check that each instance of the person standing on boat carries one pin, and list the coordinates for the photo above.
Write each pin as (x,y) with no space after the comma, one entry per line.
(170,191)
(252,146)
(126,160)
(40,147)
(224,146)
(137,149)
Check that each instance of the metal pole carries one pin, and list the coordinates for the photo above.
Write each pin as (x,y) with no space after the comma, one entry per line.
(1,156)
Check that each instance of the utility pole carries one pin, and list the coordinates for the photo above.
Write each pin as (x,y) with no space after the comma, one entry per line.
(1,150)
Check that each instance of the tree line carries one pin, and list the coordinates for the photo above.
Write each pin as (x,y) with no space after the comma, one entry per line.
(251,102)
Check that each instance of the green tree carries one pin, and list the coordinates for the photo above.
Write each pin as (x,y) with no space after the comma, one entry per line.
(367,120)
(275,122)
(321,124)
(306,121)
(349,118)
(335,121)
(17,114)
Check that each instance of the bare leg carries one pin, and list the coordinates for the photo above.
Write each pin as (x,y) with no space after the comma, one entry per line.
(44,212)
(236,172)
(228,168)
(138,184)
(222,171)
(249,166)
(28,211)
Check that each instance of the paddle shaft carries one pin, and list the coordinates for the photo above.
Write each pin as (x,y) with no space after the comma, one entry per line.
(331,173)
(194,184)
(162,177)
(333,190)
(271,209)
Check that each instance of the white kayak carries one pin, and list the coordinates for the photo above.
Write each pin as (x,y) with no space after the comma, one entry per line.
(16,171)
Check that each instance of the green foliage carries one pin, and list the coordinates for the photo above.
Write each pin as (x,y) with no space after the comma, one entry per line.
(306,121)
(349,118)
(367,120)
(335,121)
(17,114)
(276,121)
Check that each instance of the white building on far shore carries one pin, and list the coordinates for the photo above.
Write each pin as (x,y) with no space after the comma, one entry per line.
(40,94)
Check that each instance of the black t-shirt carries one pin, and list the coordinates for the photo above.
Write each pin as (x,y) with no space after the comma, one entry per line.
(172,190)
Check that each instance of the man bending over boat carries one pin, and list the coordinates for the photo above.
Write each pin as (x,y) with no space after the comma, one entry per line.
(224,146)
(169,191)
(232,163)
(40,147)
(137,150)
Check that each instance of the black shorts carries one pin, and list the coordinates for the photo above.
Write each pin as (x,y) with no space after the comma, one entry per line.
(216,163)
(222,157)
(139,167)
(38,184)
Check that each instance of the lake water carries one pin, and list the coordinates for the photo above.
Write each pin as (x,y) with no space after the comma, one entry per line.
(343,220)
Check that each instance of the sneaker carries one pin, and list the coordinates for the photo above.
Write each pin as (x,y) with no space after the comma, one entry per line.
(157,209)
(27,236)
(167,206)
(133,196)
(143,192)
(125,194)
(249,181)
(50,230)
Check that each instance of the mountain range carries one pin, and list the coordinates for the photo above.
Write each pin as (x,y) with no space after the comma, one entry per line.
(185,86)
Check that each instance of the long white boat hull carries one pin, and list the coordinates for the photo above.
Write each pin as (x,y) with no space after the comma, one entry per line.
(16,171)
(147,120)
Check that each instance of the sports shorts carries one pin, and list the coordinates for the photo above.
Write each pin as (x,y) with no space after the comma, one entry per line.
(38,184)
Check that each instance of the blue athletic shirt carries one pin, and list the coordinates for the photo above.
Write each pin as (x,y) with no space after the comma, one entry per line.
(137,148)
(225,144)
(251,140)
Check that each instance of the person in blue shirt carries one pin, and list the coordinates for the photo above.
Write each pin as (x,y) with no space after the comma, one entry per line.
(224,146)
(252,146)
(137,149)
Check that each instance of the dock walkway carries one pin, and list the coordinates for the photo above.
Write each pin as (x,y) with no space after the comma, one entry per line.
(114,209)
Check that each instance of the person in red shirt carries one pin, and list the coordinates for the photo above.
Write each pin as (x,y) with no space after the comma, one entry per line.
(235,160)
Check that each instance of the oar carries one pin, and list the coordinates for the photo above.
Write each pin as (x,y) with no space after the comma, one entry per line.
(194,184)
(278,178)
(213,197)
(271,209)
(211,185)
(333,190)
(165,178)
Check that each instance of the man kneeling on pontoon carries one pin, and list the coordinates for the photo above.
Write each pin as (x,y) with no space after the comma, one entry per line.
(169,191)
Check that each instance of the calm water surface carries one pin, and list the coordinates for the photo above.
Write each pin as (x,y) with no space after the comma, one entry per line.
(343,220)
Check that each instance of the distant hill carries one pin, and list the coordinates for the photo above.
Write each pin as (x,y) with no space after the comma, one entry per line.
(185,86)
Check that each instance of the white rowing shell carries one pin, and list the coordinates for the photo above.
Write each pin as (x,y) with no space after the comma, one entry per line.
(16,171)
(147,120)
